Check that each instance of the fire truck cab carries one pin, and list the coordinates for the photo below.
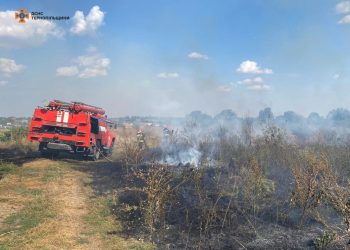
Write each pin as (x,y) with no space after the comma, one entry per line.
(72,127)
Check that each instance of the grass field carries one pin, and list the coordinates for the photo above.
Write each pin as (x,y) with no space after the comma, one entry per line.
(245,192)
(47,204)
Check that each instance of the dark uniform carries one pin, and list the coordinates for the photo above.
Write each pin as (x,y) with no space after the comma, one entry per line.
(140,139)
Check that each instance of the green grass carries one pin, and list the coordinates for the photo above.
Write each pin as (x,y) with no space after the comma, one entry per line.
(6,168)
(102,222)
(29,191)
(83,240)
(19,229)
(34,213)
(38,209)
(53,173)
(29,172)
(18,224)
(99,216)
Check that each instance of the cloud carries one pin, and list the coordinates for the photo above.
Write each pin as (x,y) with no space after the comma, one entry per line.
(251,67)
(87,25)
(30,33)
(91,49)
(262,87)
(90,65)
(9,67)
(196,55)
(168,75)
(93,65)
(336,76)
(344,20)
(67,71)
(343,7)
(3,82)
(224,88)
(255,84)
(252,81)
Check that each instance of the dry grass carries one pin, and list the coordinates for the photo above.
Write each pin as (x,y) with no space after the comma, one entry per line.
(152,135)
(14,142)
(255,187)
(308,191)
(253,182)
(21,147)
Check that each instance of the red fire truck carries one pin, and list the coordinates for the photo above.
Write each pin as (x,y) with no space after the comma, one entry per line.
(72,127)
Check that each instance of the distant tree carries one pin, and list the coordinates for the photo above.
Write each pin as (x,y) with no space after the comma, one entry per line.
(226,115)
(292,117)
(339,116)
(199,118)
(247,130)
(314,118)
(265,116)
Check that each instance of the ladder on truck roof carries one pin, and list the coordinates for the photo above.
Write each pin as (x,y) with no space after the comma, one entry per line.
(76,106)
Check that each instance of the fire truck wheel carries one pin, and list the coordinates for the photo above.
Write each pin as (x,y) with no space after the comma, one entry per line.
(110,150)
(42,145)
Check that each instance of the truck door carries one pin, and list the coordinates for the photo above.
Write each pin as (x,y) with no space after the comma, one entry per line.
(94,125)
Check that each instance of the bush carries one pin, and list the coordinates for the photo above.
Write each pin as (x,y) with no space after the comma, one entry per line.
(308,191)
(15,134)
(324,240)
(255,186)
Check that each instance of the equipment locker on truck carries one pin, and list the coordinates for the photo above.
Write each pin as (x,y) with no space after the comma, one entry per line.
(72,127)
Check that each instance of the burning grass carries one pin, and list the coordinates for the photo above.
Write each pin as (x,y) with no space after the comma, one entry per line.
(248,190)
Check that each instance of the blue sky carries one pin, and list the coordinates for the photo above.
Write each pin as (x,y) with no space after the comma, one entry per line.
(171,57)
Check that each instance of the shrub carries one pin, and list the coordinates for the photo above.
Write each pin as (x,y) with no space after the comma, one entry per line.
(308,190)
(255,186)
(324,240)
(15,134)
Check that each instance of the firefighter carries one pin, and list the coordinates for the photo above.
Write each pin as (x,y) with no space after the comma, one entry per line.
(166,135)
(141,139)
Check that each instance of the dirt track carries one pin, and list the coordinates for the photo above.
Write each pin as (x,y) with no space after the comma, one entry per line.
(70,199)
(73,196)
